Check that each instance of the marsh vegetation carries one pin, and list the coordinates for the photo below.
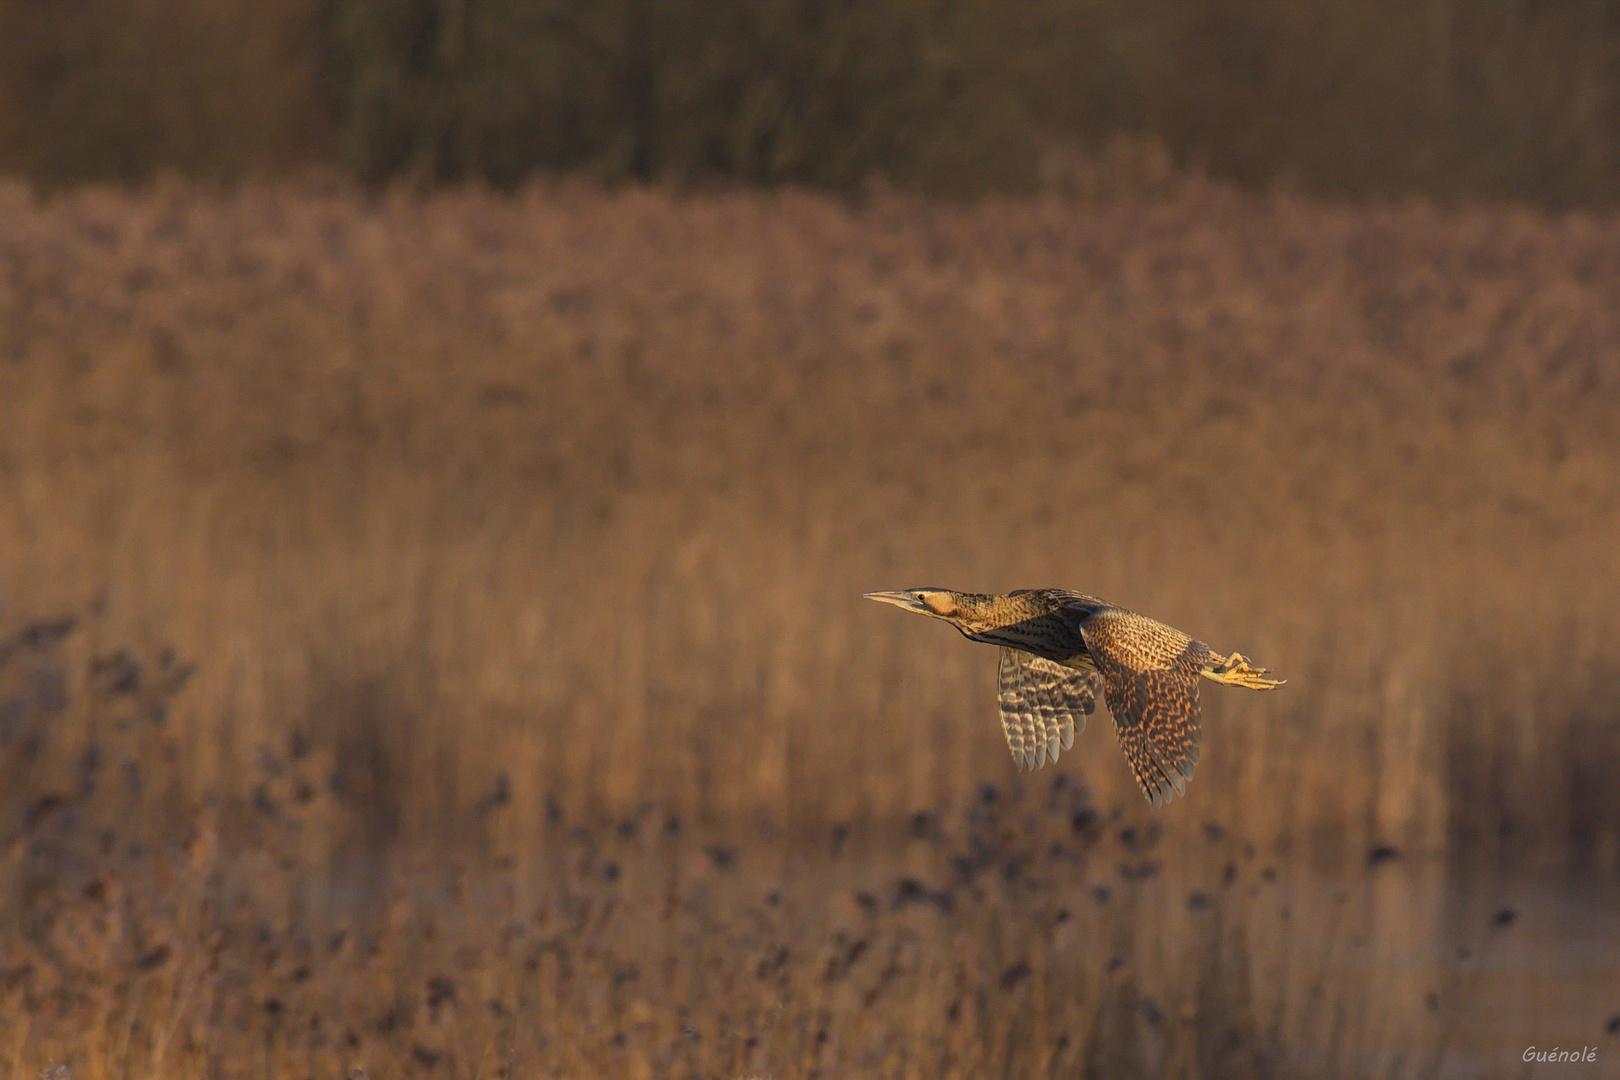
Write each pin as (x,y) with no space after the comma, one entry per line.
(434,641)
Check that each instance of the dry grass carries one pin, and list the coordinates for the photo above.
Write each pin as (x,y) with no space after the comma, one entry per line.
(530,532)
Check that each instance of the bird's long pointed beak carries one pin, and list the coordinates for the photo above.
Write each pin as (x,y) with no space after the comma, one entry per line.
(904,599)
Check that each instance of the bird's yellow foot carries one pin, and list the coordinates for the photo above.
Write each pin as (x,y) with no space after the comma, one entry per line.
(1236,670)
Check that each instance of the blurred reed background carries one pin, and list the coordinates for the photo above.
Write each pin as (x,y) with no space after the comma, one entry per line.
(445,444)
(482,519)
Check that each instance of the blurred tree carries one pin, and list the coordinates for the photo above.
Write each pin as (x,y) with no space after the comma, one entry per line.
(824,92)
(114,89)
(1517,98)
(1505,97)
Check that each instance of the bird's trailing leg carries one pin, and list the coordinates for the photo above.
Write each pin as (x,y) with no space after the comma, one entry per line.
(1236,670)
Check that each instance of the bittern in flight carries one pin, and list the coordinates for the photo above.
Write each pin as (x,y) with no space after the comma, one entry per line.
(1055,647)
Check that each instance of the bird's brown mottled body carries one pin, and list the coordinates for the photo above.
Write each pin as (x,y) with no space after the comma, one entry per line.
(1057,645)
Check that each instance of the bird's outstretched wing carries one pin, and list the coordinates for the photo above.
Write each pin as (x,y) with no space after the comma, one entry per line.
(1150,675)
(1042,705)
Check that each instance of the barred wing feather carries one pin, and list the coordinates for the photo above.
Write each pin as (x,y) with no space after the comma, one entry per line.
(1042,705)
(1150,675)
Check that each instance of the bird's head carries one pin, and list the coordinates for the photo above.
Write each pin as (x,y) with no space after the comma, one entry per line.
(953,607)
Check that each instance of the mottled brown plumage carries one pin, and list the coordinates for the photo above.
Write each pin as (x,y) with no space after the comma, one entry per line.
(1042,705)
(1056,645)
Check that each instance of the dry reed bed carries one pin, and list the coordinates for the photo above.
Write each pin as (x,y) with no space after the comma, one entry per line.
(1028,932)
(584,486)
(562,504)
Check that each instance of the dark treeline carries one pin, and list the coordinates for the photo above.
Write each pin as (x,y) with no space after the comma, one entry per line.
(1513,98)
